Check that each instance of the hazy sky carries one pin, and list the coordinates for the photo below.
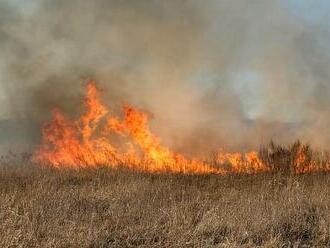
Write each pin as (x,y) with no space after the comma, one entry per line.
(190,61)
(248,81)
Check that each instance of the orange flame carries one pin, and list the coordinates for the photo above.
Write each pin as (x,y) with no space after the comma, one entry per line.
(69,143)
(242,163)
(86,142)
(80,143)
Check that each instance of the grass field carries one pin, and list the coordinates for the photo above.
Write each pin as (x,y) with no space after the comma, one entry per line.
(107,208)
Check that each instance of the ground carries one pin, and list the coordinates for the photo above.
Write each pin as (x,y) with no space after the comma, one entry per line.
(108,208)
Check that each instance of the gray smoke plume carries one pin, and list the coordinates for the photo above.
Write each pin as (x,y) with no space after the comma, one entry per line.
(213,74)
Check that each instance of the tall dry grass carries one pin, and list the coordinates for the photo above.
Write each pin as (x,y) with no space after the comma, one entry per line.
(106,208)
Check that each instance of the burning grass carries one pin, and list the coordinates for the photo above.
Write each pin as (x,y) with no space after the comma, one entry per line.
(85,142)
(103,207)
(90,141)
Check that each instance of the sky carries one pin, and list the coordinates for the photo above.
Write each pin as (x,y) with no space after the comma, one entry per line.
(313,12)
(247,82)
(222,61)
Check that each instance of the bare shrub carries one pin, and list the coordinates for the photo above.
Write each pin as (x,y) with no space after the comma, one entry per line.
(286,159)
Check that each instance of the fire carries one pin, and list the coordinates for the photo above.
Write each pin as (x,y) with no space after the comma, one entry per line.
(88,142)
(242,163)
(85,142)
(71,143)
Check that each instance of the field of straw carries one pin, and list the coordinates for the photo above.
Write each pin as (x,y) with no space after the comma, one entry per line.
(115,208)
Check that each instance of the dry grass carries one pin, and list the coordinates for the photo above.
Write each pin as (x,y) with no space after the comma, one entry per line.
(107,208)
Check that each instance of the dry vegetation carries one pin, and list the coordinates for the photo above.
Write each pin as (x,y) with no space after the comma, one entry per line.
(107,208)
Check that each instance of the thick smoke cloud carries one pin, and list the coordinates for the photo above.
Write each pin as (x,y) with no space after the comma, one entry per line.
(211,73)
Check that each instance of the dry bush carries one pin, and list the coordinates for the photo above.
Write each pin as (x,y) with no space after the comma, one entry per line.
(284,159)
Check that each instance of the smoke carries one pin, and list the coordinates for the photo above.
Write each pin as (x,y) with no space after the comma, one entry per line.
(212,74)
